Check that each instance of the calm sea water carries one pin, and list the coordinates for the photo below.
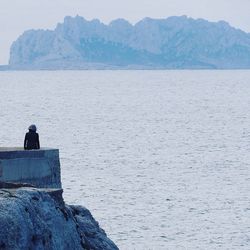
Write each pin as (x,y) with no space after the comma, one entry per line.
(161,158)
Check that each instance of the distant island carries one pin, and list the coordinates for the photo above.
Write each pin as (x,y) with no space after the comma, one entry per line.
(171,43)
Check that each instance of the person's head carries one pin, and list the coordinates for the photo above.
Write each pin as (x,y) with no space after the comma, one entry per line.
(32,128)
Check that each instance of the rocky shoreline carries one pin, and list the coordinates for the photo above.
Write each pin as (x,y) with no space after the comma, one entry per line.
(33,218)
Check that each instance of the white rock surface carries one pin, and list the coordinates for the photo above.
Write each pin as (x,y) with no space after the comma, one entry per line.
(175,42)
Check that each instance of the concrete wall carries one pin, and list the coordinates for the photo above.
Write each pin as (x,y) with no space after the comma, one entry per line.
(40,168)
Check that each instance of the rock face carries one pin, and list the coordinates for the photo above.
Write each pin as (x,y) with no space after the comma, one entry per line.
(33,214)
(36,219)
(175,42)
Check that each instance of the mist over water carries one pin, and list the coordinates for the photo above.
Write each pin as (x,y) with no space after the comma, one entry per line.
(161,158)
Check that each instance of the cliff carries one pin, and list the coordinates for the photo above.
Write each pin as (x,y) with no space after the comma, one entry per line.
(33,214)
(174,42)
(38,219)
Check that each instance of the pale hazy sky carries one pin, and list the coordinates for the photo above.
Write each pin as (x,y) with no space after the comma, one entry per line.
(16,16)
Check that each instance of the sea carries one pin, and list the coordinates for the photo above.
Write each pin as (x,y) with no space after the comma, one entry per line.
(161,158)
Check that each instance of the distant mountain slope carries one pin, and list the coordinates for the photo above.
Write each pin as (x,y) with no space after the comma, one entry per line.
(175,42)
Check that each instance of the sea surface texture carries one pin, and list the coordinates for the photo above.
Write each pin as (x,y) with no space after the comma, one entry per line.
(161,158)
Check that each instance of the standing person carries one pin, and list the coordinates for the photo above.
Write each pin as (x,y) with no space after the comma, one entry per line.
(31,140)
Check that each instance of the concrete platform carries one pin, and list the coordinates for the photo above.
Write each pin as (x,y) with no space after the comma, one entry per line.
(40,168)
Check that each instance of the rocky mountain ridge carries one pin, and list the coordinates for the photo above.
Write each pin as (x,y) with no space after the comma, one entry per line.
(174,43)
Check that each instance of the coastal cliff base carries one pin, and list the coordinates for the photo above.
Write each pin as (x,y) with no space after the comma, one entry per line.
(33,218)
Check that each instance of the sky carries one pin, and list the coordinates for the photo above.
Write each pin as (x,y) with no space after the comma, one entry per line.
(16,16)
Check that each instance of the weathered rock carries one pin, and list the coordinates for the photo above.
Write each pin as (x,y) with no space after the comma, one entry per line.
(34,219)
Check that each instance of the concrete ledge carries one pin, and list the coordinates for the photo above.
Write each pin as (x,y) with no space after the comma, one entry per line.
(40,168)
(11,185)
(13,153)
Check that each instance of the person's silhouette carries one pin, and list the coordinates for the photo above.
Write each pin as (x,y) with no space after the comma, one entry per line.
(31,140)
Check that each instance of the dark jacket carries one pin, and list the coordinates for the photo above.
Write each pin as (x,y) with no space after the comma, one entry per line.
(31,140)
